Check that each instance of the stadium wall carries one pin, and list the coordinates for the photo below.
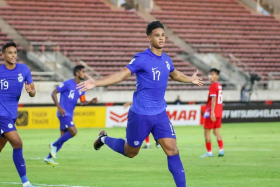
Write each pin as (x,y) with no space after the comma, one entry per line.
(44,90)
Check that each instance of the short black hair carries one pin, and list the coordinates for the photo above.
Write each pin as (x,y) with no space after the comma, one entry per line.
(152,26)
(9,44)
(77,68)
(215,70)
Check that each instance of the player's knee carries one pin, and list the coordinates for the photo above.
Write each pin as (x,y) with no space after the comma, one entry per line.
(73,133)
(131,155)
(215,133)
(172,151)
(17,144)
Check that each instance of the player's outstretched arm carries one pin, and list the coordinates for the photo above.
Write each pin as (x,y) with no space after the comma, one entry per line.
(180,77)
(106,81)
(30,89)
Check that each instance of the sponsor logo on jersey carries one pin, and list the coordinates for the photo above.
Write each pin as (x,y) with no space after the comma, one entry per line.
(132,61)
(61,85)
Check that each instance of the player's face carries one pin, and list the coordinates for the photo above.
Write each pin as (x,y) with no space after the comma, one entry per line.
(10,55)
(81,74)
(157,38)
(213,76)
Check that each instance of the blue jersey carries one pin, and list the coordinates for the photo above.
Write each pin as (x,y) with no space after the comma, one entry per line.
(152,74)
(11,84)
(69,96)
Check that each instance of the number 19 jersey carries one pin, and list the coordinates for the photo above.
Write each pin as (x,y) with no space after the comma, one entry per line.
(215,90)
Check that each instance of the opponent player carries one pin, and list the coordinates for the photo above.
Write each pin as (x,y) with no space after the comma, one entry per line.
(213,114)
(148,111)
(69,96)
(147,139)
(12,78)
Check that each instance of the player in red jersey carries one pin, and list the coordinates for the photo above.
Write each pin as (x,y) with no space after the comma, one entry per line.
(213,114)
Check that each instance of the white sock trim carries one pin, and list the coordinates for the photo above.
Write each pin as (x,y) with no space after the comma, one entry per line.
(26,183)
(103,139)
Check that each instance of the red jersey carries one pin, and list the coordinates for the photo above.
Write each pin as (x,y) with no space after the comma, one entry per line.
(215,90)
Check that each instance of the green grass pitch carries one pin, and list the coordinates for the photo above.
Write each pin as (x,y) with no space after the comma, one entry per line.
(252,159)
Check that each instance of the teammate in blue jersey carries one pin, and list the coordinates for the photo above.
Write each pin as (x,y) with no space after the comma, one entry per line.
(69,96)
(148,110)
(13,77)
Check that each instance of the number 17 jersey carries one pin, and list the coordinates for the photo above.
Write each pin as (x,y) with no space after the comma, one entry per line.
(215,90)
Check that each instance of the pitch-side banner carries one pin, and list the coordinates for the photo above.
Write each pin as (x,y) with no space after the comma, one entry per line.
(45,117)
(258,113)
(179,115)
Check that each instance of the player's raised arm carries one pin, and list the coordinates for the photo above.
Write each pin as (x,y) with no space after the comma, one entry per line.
(180,77)
(54,97)
(106,81)
(30,89)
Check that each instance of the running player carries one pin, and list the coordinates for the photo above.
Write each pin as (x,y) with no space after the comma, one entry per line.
(12,78)
(148,110)
(69,96)
(213,114)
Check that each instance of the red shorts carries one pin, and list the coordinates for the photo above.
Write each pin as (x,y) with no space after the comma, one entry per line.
(208,124)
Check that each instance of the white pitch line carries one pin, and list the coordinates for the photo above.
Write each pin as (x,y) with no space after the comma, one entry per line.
(54,185)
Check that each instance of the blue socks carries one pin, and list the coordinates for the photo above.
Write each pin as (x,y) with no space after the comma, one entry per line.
(66,136)
(60,141)
(115,144)
(175,166)
(20,164)
(58,147)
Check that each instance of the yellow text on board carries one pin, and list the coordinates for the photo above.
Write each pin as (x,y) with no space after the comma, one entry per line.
(46,118)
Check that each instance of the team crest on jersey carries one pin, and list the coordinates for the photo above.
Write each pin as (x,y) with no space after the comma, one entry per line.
(10,125)
(168,66)
(20,77)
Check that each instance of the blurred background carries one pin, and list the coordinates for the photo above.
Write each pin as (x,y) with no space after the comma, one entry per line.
(239,37)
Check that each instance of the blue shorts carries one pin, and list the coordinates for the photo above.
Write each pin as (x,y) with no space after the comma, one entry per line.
(65,122)
(140,126)
(7,124)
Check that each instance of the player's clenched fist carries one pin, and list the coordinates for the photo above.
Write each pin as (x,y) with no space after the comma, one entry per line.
(28,87)
(94,100)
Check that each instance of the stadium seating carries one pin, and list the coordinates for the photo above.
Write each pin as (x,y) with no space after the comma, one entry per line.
(225,27)
(90,31)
